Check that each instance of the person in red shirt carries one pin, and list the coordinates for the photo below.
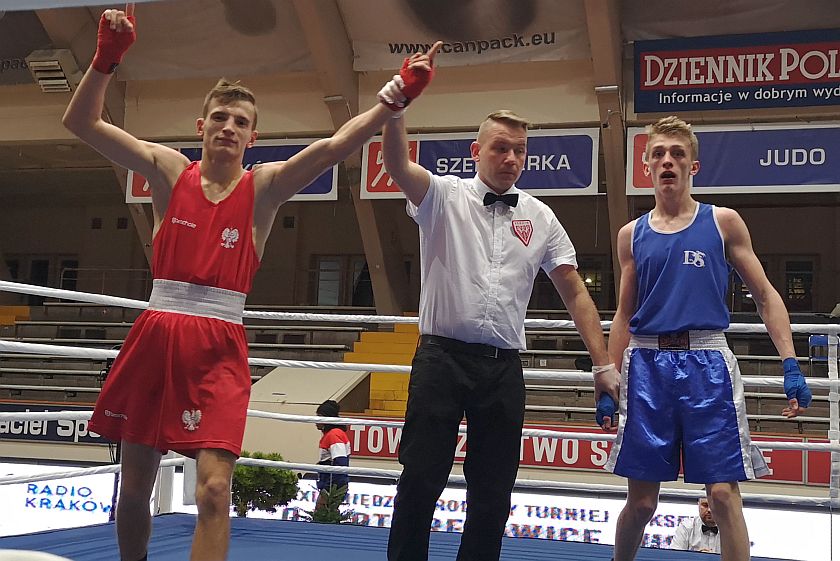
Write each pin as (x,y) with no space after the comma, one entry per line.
(181,381)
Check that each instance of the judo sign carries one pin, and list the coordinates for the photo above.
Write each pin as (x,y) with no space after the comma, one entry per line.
(523,230)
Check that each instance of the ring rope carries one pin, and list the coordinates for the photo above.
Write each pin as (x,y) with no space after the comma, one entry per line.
(529,373)
(13,346)
(97,470)
(762,498)
(767,499)
(92,298)
(311,419)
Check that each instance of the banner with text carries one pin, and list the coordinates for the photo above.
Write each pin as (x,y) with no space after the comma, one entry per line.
(53,503)
(788,466)
(64,431)
(738,71)
(383,33)
(589,519)
(84,501)
(784,158)
(324,188)
(559,162)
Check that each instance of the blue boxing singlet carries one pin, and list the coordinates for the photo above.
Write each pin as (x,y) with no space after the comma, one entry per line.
(682,276)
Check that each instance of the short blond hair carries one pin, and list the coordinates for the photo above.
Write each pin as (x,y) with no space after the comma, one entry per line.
(673,126)
(506,117)
(226,91)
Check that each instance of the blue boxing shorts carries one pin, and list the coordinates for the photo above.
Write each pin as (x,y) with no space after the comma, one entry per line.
(682,396)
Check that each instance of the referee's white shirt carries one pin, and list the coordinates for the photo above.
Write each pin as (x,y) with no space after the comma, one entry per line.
(690,537)
(479,263)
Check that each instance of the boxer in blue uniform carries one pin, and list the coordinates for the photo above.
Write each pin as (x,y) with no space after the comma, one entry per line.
(681,392)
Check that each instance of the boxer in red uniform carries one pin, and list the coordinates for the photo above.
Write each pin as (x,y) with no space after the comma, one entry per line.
(182,381)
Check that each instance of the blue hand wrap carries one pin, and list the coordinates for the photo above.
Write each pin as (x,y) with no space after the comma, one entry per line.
(605,408)
(795,385)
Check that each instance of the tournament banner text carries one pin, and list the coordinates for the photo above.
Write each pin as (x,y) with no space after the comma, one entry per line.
(787,466)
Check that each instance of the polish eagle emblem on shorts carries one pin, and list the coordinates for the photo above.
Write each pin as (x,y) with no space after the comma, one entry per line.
(191,419)
(229,237)
(523,230)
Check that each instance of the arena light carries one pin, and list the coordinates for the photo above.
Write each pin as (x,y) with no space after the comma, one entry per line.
(54,70)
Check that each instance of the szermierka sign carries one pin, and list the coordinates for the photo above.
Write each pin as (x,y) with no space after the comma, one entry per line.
(559,162)
(738,71)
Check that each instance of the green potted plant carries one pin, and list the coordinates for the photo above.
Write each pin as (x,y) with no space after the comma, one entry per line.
(262,488)
(328,508)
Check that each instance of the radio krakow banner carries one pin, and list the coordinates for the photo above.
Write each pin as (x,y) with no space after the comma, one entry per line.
(324,188)
(53,503)
(787,466)
(559,162)
(783,158)
(738,71)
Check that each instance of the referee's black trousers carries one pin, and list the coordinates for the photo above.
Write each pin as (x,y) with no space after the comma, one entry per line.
(446,384)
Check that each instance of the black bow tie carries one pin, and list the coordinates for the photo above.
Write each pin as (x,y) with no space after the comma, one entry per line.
(707,529)
(510,199)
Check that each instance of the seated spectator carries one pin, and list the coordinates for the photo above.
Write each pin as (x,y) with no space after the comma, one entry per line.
(699,533)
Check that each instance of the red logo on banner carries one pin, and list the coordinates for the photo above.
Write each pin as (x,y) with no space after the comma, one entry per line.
(523,230)
(640,180)
(378,180)
(138,186)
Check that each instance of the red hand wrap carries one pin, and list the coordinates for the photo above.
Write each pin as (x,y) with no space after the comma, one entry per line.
(415,79)
(111,45)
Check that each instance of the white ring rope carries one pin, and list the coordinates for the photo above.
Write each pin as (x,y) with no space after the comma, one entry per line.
(536,483)
(455,479)
(105,300)
(100,354)
(529,373)
(111,468)
(58,350)
(20,416)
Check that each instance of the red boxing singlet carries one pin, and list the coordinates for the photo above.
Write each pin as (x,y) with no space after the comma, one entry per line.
(181,380)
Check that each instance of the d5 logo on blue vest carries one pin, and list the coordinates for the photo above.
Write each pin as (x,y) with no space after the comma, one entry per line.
(694,258)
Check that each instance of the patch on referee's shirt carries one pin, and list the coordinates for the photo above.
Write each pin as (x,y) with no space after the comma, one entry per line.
(523,230)
(674,341)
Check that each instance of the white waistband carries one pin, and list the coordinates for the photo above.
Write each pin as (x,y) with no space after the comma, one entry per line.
(197,300)
(697,339)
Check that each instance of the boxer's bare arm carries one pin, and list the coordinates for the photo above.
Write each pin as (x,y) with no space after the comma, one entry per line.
(160,165)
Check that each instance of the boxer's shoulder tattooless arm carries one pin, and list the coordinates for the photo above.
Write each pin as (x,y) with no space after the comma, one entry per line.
(83,116)
(619,336)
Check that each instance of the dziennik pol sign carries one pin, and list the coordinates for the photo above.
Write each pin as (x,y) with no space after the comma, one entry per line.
(796,69)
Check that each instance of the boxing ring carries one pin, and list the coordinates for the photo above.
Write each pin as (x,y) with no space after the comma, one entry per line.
(299,541)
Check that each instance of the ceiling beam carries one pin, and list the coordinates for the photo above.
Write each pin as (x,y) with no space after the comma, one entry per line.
(332,55)
(602,22)
(75,29)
